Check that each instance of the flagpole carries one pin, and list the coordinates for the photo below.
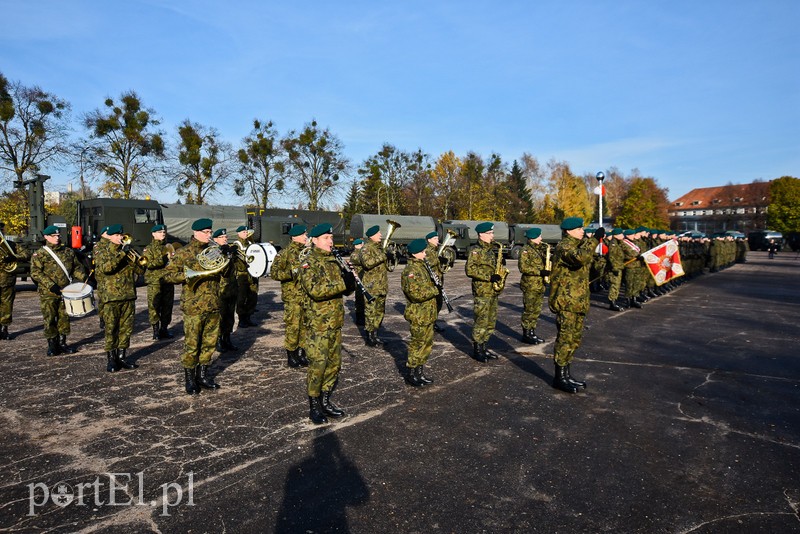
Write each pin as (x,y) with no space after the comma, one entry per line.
(600,177)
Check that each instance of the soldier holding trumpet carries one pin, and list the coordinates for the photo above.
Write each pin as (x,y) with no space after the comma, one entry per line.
(534,264)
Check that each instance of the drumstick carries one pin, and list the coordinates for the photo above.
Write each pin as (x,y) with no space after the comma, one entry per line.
(87,280)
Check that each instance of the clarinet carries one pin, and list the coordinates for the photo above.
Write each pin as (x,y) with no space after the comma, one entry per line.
(345,266)
(438,284)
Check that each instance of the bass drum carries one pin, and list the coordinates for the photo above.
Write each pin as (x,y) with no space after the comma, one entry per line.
(259,259)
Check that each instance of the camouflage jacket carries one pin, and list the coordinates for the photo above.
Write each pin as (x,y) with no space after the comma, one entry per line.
(284,270)
(204,297)
(616,254)
(373,263)
(321,279)
(630,252)
(47,273)
(569,281)
(420,293)
(117,271)
(481,265)
(8,279)
(531,265)
(157,259)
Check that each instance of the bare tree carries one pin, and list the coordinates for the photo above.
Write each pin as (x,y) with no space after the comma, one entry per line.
(261,164)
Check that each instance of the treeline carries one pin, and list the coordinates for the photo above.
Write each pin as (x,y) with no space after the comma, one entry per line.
(119,150)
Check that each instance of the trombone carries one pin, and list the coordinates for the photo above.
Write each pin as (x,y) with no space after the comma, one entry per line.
(134,256)
(390,248)
(4,246)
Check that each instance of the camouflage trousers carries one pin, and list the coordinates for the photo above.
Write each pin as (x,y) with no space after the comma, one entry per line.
(7,296)
(54,317)
(324,352)
(570,332)
(293,319)
(485,311)
(247,295)
(420,345)
(227,314)
(532,308)
(614,283)
(160,297)
(200,338)
(373,313)
(118,319)
(634,282)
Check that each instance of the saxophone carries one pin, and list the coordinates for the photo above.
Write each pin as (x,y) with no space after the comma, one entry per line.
(500,270)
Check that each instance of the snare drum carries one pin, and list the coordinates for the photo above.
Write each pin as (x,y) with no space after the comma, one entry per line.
(78,299)
(260,257)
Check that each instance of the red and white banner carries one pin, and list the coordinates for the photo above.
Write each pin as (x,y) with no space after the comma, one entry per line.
(664,262)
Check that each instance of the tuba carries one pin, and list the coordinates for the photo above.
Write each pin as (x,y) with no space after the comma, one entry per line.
(500,270)
(7,252)
(390,248)
(134,256)
(212,260)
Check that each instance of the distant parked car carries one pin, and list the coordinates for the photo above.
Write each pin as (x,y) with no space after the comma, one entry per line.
(792,239)
(759,240)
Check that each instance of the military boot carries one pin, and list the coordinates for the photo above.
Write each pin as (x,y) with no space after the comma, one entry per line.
(560,380)
(536,338)
(4,332)
(527,337)
(203,378)
(227,343)
(163,333)
(191,386)
(573,381)
(633,303)
(111,366)
(292,358)
(156,330)
(64,348)
(301,357)
(375,339)
(413,379)
(221,344)
(315,412)
(421,374)
(329,408)
(121,362)
(477,353)
(53,348)
(489,355)
(613,306)
(245,322)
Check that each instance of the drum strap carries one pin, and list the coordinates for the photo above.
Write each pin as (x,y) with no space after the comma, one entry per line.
(58,261)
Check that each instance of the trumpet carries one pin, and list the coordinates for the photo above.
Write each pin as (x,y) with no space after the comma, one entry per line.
(134,256)
(9,267)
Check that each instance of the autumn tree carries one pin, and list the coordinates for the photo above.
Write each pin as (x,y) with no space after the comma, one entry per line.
(446,178)
(261,164)
(34,128)
(472,180)
(125,146)
(520,209)
(14,211)
(418,192)
(205,163)
(393,169)
(784,208)
(571,198)
(316,161)
(645,204)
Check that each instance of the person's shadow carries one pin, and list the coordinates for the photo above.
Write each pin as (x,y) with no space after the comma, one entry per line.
(319,488)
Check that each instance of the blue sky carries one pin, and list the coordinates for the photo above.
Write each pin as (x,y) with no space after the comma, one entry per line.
(693,93)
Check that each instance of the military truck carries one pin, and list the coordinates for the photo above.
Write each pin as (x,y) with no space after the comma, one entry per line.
(405,228)
(460,239)
(501,232)
(179,218)
(271,223)
(275,230)
(551,234)
(137,218)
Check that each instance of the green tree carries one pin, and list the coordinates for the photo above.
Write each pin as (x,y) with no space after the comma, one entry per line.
(261,164)
(645,204)
(371,189)
(394,169)
(204,162)
(352,204)
(472,175)
(783,214)
(571,198)
(446,178)
(316,161)
(520,209)
(14,211)
(34,127)
(125,146)
(419,190)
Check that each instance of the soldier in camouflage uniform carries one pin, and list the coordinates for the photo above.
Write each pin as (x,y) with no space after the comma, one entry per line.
(324,283)
(481,266)
(50,279)
(569,297)
(532,266)
(631,277)
(616,266)
(228,293)
(421,311)
(355,261)
(200,306)
(98,291)
(160,295)
(376,279)
(119,272)
(247,296)
(437,263)
(8,281)
(285,269)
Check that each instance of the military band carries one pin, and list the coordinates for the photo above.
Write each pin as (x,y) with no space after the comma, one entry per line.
(375,276)
(285,269)
(484,265)
(160,294)
(421,291)
(533,260)
(228,293)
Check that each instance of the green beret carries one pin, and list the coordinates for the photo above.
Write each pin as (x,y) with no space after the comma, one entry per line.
(418,245)
(616,231)
(298,229)
(220,231)
(357,241)
(241,228)
(628,232)
(202,224)
(372,230)
(103,230)
(157,228)
(114,229)
(533,233)
(431,235)
(484,227)
(571,223)
(50,230)
(321,229)
(640,229)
